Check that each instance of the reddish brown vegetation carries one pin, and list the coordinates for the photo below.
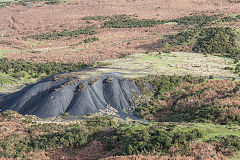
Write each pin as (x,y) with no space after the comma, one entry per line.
(200,151)
(224,93)
(21,21)
(95,150)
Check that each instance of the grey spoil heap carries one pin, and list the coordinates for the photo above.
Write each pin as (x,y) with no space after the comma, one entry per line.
(63,93)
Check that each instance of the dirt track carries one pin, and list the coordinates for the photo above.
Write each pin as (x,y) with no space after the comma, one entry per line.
(21,21)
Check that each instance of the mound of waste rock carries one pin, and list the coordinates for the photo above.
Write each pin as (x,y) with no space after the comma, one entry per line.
(56,95)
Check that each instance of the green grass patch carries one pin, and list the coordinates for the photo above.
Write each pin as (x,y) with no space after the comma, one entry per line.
(175,63)
(3,51)
(6,79)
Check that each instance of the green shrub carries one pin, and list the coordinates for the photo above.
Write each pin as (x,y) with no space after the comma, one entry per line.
(229,141)
(153,106)
(200,20)
(101,122)
(203,113)
(229,68)
(163,83)
(127,22)
(215,40)
(19,68)
(237,68)
(211,77)
(88,40)
(52,35)
(146,107)
(96,18)
(101,18)
(131,23)
(230,19)
(138,139)
(70,138)
(26,2)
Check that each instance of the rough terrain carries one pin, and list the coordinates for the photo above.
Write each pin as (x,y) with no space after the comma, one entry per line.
(18,22)
(146,100)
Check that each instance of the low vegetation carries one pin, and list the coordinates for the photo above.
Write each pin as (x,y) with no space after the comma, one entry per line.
(119,138)
(23,69)
(189,99)
(53,35)
(143,139)
(216,40)
(131,23)
(89,40)
(177,111)
(41,137)
(128,22)
(103,18)
(28,2)
(199,20)
(231,142)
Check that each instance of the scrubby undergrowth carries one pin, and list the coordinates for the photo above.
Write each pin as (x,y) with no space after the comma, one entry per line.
(22,137)
(189,99)
(213,40)
(21,69)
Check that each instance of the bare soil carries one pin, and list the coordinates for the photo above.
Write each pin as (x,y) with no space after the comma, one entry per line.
(20,21)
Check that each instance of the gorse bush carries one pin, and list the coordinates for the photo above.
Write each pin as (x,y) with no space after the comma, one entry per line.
(101,121)
(203,113)
(215,40)
(127,22)
(231,19)
(101,18)
(20,68)
(229,141)
(52,136)
(75,138)
(26,2)
(88,40)
(200,20)
(52,35)
(96,18)
(176,99)
(163,85)
(140,139)
(131,23)
(69,138)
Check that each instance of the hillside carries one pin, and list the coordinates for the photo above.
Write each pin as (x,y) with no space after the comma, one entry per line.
(120,79)
(78,31)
